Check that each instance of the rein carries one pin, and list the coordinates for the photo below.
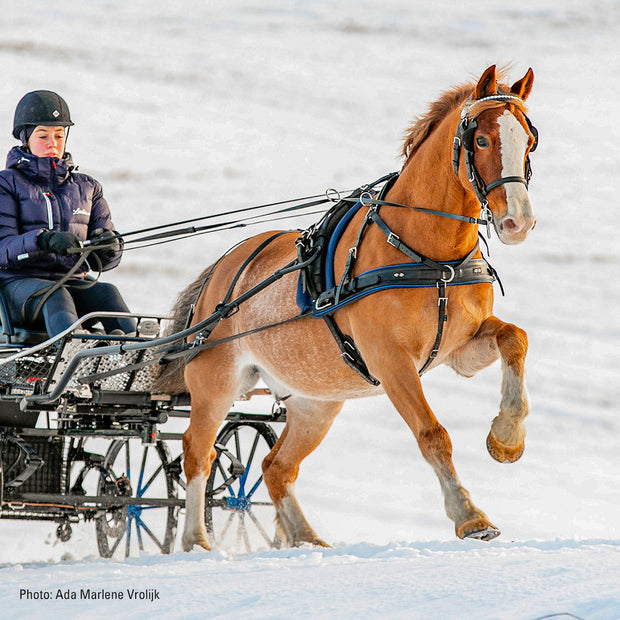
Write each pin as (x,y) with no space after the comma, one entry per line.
(421,273)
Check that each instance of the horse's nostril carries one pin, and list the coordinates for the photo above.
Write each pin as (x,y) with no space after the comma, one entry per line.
(509,225)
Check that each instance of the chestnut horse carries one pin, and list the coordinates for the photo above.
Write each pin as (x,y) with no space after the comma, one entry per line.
(394,329)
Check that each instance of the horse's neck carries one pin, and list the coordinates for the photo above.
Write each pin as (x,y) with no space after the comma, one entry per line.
(428,181)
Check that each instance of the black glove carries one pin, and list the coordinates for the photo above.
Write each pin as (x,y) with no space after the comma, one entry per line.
(58,242)
(114,246)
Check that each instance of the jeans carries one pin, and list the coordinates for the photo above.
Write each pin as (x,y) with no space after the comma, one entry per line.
(67,304)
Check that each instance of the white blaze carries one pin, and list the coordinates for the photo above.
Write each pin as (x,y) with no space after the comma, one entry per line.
(519,218)
(514,142)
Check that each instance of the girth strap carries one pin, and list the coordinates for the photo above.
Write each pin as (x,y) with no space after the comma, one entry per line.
(442,303)
(417,275)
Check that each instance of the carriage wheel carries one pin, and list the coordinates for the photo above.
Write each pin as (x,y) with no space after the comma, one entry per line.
(239,514)
(137,471)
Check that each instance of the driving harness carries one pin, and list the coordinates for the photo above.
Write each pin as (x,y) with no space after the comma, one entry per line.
(319,295)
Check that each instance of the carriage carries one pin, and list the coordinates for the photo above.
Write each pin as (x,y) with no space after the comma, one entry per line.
(390,283)
(84,439)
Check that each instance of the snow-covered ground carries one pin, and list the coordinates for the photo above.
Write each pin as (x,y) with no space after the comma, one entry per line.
(185,109)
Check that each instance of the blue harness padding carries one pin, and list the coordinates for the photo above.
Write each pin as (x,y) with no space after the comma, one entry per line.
(409,275)
(304,299)
(330,280)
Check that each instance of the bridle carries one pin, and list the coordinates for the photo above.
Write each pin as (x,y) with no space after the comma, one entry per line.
(465,138)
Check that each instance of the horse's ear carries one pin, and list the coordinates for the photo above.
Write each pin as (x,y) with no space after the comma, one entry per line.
(523,87)
(487,84)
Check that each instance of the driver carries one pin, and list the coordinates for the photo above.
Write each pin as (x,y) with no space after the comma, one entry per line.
(47,209)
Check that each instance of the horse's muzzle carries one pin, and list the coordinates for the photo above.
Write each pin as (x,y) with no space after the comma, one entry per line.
(513,229)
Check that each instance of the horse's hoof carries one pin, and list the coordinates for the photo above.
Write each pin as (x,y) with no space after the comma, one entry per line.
(486,534)
(188,545)
(503,453)
(315,542)
(320,543)
(477,529)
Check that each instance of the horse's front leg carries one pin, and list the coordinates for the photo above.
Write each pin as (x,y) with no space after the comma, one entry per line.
(506,439)
(402,385)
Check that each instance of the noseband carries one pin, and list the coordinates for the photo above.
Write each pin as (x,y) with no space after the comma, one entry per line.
(465,138)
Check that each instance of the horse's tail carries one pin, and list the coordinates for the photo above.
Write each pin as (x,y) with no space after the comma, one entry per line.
(169,379)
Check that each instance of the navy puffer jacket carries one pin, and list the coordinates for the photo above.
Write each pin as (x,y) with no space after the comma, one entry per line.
(44,193)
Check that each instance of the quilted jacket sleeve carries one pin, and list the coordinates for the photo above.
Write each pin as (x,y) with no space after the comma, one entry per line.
(12,241)
(100,218)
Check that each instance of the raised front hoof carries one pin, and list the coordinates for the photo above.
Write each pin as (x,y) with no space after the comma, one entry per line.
(503,453)
(478,530)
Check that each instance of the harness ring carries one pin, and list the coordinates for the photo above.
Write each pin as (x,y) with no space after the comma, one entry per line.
(452,275)
(366,196)
(333,195)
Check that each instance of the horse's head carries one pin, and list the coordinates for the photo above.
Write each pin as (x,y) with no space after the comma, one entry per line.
(494,140)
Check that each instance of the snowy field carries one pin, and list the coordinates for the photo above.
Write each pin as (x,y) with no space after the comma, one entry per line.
(185,109)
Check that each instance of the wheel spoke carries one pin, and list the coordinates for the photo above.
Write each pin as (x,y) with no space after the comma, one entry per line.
(238,444)
(256,485)
(260,528)
(127,461)
(116,544)
(143,490)
(142,525)
(139,490)
(226,527)
(246,538)
(154,480)
(233,522)
(128,537)
(248,465)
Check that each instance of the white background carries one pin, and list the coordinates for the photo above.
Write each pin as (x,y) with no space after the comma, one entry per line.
(185,109)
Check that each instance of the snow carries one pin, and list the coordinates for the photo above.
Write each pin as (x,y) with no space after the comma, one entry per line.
(185,109)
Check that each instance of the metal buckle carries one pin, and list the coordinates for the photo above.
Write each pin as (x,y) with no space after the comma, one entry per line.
(487,215)
(325,303)
(393,240)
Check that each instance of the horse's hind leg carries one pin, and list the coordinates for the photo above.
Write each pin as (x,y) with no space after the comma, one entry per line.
(308,422)
(506,439)
(212,392)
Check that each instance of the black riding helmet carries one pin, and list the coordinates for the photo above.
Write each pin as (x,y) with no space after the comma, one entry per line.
(41,107)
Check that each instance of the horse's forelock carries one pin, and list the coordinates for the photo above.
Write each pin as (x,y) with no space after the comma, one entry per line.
(421,128)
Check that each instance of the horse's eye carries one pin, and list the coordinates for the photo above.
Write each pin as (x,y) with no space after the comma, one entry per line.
(482,142)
